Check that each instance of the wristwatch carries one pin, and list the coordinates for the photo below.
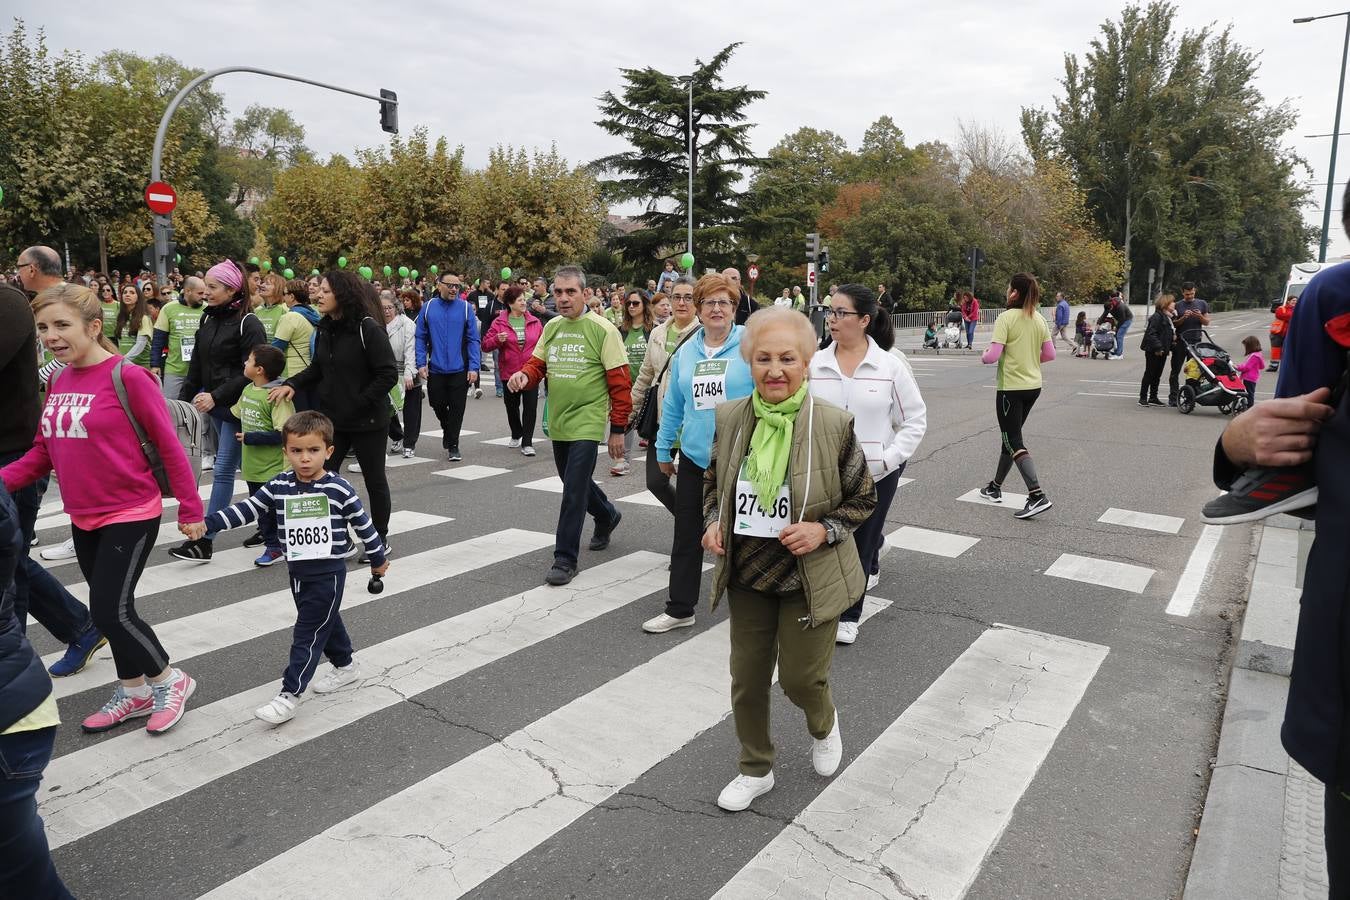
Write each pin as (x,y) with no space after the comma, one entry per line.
(831,534)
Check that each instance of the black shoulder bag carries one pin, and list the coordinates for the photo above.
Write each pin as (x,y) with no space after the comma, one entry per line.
(649,419)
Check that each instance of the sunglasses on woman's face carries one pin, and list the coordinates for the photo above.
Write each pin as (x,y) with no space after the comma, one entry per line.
(634,302)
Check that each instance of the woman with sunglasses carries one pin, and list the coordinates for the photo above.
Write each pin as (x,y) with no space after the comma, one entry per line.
(636,328)
(662,343)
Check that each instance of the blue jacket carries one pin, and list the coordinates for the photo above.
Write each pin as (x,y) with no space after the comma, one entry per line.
(1061,313)
(446,330)
(692,428)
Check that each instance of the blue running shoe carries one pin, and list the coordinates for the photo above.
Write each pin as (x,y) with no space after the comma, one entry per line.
(78,654)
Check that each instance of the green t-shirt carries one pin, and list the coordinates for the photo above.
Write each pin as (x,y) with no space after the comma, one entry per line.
(518,324)
(180,321)
(577,353)
(261,461)
(110,318)
(635,344)
(126,341)
(1019,368)
(296,331)
(269,316)
(613,316)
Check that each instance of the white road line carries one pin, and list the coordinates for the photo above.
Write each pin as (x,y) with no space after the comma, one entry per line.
(393,462)
(62,520)
(451,832)
(553,484)
(1147,521)
(438,432)
(506,441)
(1197,569)
(1010,499)
(471,473)
(235,623)
(1134,394)
(917,813)
(1101,572)
(1097,381)
(938,543)
(641,498)
(101,785)
(180,574)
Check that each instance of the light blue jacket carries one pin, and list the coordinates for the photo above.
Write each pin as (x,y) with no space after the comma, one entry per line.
(694,429)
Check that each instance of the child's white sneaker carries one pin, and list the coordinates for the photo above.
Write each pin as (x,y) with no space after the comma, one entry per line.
(280,708)
(335,679)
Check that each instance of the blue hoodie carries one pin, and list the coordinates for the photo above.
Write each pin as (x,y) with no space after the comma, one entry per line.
(694,429)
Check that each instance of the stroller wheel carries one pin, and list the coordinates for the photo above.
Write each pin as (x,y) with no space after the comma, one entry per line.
(1186,402)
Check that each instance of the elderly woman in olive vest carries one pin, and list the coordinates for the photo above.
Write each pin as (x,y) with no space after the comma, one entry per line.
(785,489)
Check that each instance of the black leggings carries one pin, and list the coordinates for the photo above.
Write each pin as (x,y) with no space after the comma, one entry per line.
(369,447)
(1012,408)
(112,559)
(521,427)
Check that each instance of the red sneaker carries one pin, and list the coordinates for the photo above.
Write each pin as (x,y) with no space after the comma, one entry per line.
(170,702)
(117,710)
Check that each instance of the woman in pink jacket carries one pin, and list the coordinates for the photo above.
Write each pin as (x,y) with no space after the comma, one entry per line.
(111,495)
(514,332)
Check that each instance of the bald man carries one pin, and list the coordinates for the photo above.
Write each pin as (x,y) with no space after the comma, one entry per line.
(175,332)
(745,306)
(39,268)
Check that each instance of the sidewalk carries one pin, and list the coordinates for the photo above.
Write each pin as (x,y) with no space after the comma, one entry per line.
(1262,824)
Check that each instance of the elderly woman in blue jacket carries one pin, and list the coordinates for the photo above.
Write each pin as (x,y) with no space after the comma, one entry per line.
(706,372)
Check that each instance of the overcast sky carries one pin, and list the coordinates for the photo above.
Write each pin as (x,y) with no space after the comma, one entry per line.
(528,72)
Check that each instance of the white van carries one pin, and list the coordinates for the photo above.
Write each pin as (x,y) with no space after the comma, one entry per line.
(1299,276)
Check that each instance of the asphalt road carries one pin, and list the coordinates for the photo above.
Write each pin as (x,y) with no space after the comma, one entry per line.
(514,741)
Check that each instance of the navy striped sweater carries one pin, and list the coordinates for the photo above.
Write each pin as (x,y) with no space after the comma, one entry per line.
(346,515)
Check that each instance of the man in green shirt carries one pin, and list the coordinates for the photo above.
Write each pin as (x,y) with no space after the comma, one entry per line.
(175,331)
(582,356)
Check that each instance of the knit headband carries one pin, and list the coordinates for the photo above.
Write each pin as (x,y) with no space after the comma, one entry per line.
(228,274)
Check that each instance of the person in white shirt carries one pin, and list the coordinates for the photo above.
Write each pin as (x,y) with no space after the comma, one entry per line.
(859,373)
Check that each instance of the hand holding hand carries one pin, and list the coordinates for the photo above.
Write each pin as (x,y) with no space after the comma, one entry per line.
(204,402)
(517,382)
(422,373)
(193,531)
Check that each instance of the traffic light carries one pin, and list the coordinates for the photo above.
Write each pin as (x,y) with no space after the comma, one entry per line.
(812,246)
(825,260)
(389,111)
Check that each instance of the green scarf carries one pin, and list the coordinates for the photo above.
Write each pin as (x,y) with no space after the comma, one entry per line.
(766,465)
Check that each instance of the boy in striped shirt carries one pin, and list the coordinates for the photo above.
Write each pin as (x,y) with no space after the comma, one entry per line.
(314,511)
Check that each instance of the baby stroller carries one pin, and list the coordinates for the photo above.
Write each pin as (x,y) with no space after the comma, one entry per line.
(951,334)
(1210,379)
(1103,341)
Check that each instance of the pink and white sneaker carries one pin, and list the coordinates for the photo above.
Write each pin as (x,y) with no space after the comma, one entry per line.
(117,710)
(170,701)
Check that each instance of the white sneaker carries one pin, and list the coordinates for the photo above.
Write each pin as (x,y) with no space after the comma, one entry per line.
(619,468)
(663,623)
(64,550)
(513,443)
(847,633)
(280,708)
(408,453)
(527,451)
(825,754)
(395,448)
(336,679)
(478,393)
(742,791)
(355,467)
(873,581)
(208,463)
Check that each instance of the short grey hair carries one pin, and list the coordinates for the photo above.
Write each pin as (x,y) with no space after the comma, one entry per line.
(683,279)
(770,316)
(570,272)
(47,260)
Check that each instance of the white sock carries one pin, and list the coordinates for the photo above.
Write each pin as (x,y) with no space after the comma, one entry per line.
(140,691)
(167,679)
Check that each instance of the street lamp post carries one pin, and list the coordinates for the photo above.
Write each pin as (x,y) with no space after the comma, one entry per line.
(1335,131)
(689,232)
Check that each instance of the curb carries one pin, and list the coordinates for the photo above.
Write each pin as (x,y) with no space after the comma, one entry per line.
(1262,822)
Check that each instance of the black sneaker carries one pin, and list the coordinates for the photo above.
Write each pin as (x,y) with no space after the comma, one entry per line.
(1036,505)
(560,574)
(192,551)
(1258,493)
(600,540)
(454,455)
(992,492)
(1143,403)
(1171,401)
(254,540)
(1154,401)
(365,555)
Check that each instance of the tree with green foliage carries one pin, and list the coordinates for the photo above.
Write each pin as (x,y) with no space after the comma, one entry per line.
(651,114)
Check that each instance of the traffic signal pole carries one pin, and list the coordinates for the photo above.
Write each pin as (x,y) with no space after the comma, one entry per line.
(163,228)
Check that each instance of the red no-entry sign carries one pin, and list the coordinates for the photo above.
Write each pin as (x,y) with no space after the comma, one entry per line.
(754,273)
(161,197)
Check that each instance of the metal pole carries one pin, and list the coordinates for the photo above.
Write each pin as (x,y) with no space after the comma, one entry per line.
(1335,137)
(689,236)
(158,151)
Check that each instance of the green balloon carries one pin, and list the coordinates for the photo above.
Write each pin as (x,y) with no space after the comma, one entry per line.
(178,257)
(432,269)
(414,274)
(506,272)
(289,273)
(366,272)
(253,260)
(388,270)
(403,271)
(314,271)
(281,260)
(342,262)
(687,261)
(266,265)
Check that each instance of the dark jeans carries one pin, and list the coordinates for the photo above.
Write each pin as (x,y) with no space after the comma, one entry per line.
(1336,829)
(267,525)
(575,461)
(26,868)
(35,590)
(448,394)
(686,549)
(1179,358)
(521,420)
(369,447)
(658,482)
(1251,392)
(112,559)
(871,534)
(319,630)
(411,426)
(1153,369)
